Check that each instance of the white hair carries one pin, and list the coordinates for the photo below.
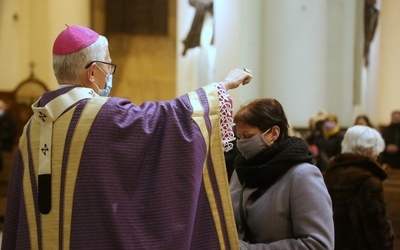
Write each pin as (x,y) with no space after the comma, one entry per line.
(363,140)
(68,68)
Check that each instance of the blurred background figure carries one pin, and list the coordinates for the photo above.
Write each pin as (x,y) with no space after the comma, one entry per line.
(329,141)
(391,134)
(316,122)
(8,130)
(354,181)
(363,120)
(315,125)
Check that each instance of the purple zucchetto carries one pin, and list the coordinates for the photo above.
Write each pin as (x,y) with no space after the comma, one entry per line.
(73,39)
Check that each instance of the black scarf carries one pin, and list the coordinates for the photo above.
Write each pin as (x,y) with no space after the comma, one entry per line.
(264,169)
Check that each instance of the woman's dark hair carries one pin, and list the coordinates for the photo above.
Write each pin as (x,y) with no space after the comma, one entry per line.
(264,113)
(365,117)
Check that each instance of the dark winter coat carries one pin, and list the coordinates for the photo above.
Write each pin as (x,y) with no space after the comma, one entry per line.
(391,135)
(355,185)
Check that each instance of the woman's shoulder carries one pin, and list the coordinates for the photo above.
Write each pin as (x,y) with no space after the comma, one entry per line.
(304,173)
(305,168)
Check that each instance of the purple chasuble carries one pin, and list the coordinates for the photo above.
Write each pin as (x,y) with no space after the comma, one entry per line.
(125,176)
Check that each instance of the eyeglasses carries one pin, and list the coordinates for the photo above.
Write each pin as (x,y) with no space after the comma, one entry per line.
(111,68)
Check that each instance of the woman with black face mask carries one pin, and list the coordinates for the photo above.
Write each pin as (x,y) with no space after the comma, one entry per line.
(279,197)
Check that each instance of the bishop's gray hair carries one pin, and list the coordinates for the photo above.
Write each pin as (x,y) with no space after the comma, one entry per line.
(68,68)
(360,139)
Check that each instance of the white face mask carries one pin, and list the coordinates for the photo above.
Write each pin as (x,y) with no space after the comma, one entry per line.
(252,146)
(105,92)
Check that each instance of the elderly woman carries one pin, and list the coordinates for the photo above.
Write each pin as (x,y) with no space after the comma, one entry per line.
(279,197)
(354,181)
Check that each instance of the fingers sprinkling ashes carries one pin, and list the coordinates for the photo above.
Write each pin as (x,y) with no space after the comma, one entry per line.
(247,70)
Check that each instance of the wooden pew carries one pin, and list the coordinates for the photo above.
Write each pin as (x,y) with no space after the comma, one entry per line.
(391,188)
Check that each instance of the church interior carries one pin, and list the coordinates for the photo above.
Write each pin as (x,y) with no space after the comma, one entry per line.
(341,56)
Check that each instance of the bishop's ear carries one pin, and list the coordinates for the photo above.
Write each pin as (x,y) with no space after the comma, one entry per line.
(90,73)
